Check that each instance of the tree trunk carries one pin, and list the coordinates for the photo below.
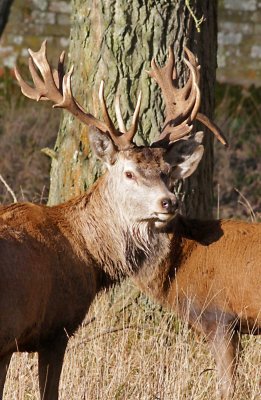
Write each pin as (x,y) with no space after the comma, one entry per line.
(115,41)
(5,6)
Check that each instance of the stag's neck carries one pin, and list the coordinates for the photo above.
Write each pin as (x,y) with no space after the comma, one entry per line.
(118,246)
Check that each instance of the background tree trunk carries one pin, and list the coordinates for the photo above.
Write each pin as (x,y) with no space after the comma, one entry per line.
(115,41)
(5,6)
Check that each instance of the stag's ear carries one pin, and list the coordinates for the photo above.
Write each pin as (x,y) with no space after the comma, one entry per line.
(185,155)
(102,146)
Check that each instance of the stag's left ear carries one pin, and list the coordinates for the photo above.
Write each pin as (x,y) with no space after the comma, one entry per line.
(185,155)
(102,146)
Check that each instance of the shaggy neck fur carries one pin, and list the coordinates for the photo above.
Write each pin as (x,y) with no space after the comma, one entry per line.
(119,246)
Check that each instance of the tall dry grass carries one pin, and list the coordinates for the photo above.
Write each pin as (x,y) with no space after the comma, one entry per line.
(25,128)
(237,169)
(133,350)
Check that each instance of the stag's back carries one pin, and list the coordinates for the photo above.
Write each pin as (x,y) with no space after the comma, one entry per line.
(44,282)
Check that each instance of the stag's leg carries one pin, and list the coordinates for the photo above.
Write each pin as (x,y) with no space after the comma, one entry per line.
(4,364)
(225,348)
(50,367)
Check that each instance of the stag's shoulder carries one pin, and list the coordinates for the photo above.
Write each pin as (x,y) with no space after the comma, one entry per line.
(21,212)
(19,219)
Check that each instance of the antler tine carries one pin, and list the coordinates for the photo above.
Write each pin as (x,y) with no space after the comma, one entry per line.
(67,100)
(201,117)
(193,61)
(46,87)
(168,70)
(59,73)
(112,130)
(119,118)
(26,89)
(135,120)
(193,78)
(60,70)
(194,94)
(213,128)
(38,83)
(124,137)
(182,104)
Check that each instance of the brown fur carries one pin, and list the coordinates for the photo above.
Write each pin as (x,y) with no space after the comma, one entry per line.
(212,279)
(53,262)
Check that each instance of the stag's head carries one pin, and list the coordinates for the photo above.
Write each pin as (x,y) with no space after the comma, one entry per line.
(140,177)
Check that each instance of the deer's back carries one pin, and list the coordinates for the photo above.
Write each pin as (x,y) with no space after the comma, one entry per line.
(45,283)
(217,268)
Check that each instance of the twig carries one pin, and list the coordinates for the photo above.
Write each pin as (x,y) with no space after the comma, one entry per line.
(49,152)
(206,370)
(247,205)
(42,194)
(218,201)
(109,331)
(8,189)
(104,333)
(198,22)
(88,321)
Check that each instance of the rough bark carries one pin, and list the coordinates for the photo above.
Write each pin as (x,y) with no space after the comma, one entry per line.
(115,41)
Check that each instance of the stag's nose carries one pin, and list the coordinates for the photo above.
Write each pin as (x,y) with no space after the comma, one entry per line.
(169,204)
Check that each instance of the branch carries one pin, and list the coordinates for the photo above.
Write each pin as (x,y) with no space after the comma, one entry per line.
(104,333)
(247,205)
(198,22)
(8,189)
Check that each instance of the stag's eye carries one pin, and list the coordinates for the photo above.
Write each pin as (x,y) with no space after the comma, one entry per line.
(129,175)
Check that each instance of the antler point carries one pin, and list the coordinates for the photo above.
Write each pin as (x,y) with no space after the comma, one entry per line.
(101,89)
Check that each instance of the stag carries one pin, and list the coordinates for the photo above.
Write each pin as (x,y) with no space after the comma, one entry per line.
(54,260)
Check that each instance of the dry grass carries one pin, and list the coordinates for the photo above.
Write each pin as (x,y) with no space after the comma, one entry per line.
(237,169)
(25,128)
(134,350)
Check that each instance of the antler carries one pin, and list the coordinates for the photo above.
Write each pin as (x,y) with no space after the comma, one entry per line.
(55,85)
(182,104)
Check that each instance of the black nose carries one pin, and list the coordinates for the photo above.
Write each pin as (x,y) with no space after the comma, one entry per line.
(169,205)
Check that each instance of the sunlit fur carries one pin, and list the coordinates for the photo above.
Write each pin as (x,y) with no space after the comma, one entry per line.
(212,279)
(54,260)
